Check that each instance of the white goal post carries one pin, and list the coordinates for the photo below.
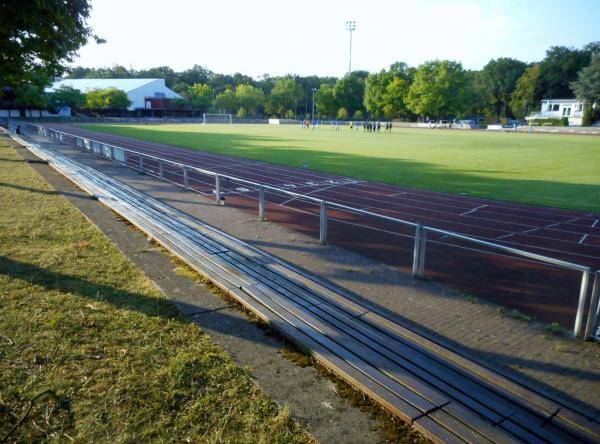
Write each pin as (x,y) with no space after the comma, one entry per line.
(216,118)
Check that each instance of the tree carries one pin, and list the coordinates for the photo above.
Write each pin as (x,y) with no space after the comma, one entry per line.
(108,98)
(160,72)
(587,89)
(226,101)
(39,37)
(558,69)
(496,84)
(200,96)
(342,114)
(438,89)
(350,90)
(284,97)
(30,95)
(196,74)
(587,85)
(250,98)
(385,92)
(67,96)
(523,98)
(325,101)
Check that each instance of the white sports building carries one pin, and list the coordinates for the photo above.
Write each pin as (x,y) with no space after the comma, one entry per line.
(572,109)
(141,92)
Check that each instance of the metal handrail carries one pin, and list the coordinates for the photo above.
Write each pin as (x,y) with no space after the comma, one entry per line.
(324,204)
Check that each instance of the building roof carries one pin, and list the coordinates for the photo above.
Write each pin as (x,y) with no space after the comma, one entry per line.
(84,85)
(560,100)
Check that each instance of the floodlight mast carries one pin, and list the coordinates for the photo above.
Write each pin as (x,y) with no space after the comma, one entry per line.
(313,104)
(350,26)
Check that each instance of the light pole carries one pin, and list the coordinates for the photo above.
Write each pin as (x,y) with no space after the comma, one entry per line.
(313,104)
(350,26)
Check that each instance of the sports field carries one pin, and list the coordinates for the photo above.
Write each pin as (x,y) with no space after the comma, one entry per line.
(545,169)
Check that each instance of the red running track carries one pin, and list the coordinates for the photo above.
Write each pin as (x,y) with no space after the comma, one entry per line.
(546,292)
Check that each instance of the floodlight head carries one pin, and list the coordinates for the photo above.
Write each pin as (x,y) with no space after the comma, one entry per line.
(350,25)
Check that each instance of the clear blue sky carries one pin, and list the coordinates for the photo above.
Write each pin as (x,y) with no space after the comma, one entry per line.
(309,37)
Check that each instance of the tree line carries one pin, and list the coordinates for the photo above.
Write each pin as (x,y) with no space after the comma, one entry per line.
(438,89)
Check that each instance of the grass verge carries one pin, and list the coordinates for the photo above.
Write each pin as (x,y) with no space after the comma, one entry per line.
(91,351)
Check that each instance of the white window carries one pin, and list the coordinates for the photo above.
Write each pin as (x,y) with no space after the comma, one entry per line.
(555,107)
(566,111)
(579,107)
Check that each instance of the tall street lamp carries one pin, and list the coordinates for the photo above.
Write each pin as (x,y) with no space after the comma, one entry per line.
(313,104)
(350,26)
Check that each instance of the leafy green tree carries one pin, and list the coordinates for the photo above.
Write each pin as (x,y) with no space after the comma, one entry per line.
(385,92)
(39,37)
(342,113)
(108,98)
(375,92)
(587,85)
(250,98)
(358,115)
(200,96)
(226,101)
(67,96)
(523,100)
(558,69)
(496,84)
(587,89)
(196,74)
(221,82)
(31,95)
(113,72)
(349,91)
(284,97)
(438,89)
(475,102)
(160,72)
(325,101)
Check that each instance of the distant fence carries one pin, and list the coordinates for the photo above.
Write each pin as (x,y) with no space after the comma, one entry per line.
(179,174)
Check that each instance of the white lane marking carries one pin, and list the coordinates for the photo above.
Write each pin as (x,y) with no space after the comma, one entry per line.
(553,225)
(397,194)
(289,185)
(595,223)
(583,238)
(530,231)
(473,210)
(572,220)
(311,192)
(242,189)
(505,236)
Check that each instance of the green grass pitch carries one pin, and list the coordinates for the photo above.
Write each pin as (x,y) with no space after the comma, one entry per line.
(545,169)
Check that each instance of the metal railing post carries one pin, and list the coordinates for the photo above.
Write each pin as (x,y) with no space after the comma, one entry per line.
(261,204)
(585,279)
(112,152)
(422,250)
(161,173)
(418,250)
(323,223)
(186,181)
(141,165)
(217,189)
(594,309)
(124,157)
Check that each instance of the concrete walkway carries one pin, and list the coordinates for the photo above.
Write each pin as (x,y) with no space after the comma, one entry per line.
(563,368)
